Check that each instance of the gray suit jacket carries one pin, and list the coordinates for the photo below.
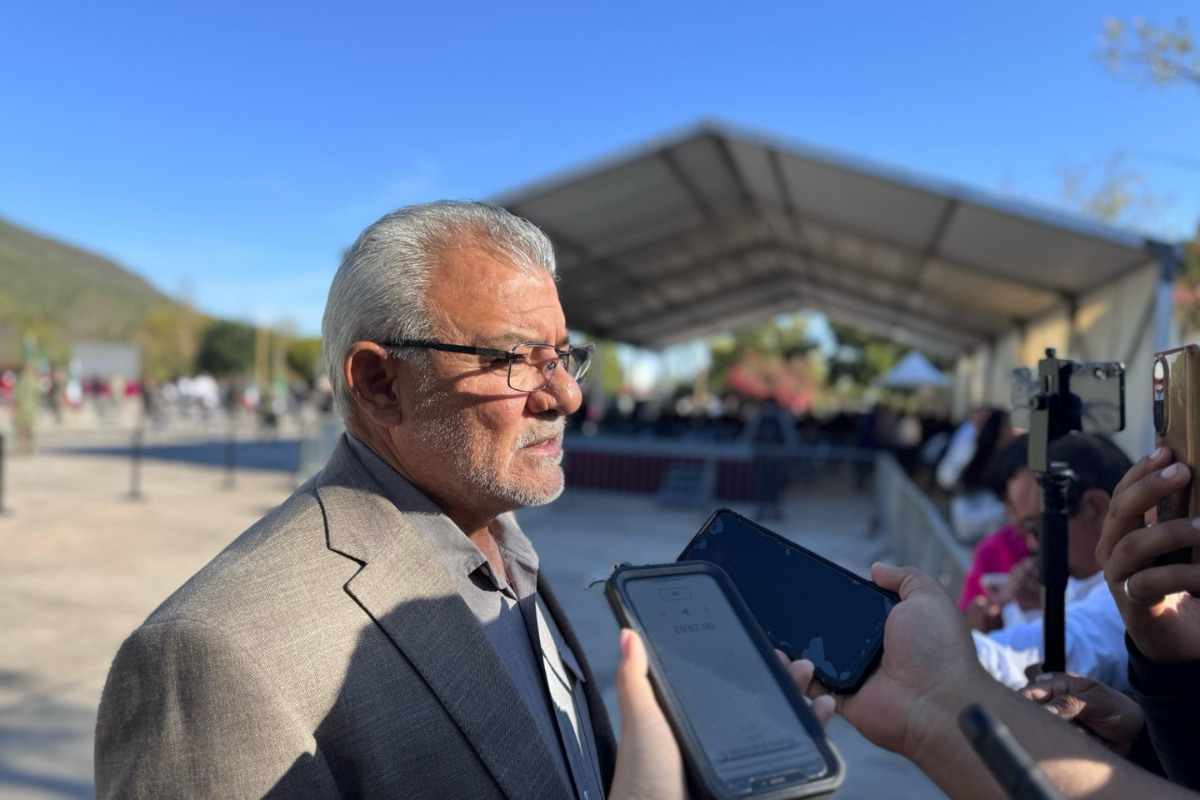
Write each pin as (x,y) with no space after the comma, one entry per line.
(325,653)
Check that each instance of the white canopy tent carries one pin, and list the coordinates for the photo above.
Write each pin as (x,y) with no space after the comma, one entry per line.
(912,371)
(715,227)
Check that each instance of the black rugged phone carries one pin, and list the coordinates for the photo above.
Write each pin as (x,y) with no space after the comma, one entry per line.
(742,726)
(809,607)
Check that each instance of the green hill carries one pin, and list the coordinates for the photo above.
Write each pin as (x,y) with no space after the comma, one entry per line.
(63,294)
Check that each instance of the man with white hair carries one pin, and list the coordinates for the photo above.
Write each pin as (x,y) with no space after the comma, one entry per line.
(386,630)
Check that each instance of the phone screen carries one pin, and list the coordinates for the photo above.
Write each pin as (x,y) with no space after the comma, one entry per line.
(746,725)
(808,608)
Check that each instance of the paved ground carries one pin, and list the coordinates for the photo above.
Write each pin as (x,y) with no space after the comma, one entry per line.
(81,565)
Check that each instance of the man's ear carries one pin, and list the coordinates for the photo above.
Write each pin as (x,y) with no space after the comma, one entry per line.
(375,380)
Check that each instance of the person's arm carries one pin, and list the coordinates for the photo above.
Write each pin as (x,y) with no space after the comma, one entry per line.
(1161,615)
(1169,695)
(187,713)
(1079,766)
(929,673)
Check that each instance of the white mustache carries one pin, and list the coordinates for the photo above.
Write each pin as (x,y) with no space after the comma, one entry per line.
(541,432)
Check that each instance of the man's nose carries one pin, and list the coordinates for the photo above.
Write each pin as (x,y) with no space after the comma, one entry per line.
(560,396)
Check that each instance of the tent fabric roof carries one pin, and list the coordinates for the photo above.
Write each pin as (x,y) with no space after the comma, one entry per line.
(716,227)
(913,370)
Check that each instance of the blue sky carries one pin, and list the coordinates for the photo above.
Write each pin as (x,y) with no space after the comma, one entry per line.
(236,149)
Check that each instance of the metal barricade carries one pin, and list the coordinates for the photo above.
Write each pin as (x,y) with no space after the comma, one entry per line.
(691,472)
(316,445)
(919,534)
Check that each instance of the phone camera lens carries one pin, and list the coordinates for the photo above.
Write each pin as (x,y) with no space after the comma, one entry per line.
(1160,397)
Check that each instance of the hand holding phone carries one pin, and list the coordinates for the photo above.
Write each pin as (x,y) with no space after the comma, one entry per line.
(1161,618)
(809,607)
(743,729)
(996,587)
(648,760)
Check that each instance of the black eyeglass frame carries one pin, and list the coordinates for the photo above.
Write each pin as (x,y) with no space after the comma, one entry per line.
(508,355)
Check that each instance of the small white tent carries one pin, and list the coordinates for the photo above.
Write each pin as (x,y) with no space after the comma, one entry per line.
(912,371)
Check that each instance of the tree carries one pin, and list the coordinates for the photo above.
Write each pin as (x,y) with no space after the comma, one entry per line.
(768,360)
(304,358)
(1113,194)
(167,345)
(606,377)
(226,348)
(860,356)
(1187,290)
(1167,55)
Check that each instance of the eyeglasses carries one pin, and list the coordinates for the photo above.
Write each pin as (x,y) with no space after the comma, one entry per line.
(531,367)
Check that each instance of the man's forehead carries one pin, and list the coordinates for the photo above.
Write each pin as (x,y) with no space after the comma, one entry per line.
(490,300)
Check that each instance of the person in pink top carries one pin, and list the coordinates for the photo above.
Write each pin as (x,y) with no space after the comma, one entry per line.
(998,552)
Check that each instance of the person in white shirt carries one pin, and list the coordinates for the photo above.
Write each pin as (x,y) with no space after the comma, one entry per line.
(961,449)
(1095,633)
(964,470)
(1095,642)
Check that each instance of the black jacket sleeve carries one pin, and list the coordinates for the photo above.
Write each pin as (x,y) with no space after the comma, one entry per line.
(1144,756)
(1169,695)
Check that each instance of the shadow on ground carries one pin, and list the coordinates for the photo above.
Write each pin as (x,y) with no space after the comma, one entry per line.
(281,455)
(45,748)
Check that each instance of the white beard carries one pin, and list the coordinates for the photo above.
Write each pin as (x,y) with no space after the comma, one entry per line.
(467,450)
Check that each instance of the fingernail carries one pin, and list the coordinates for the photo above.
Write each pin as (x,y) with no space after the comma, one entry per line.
(625,641)
(1052,709)
(1158,453)
(1171,471)
(1045,676)
(1196,522)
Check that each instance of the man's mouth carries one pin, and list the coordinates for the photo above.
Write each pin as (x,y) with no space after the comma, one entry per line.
(544,442)
(548,444)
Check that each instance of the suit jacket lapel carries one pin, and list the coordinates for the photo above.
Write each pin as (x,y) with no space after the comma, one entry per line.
(602,732)
(405,589)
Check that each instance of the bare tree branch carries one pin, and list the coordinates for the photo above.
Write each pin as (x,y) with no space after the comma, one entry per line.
(1165,55)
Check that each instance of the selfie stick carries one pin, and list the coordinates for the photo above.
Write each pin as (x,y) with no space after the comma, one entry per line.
(1054,412)
(1018,775)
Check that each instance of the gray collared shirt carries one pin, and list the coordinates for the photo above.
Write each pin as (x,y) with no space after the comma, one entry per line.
(520,629)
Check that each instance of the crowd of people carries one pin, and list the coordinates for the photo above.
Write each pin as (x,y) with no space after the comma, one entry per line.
(37,398)
(730,419)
